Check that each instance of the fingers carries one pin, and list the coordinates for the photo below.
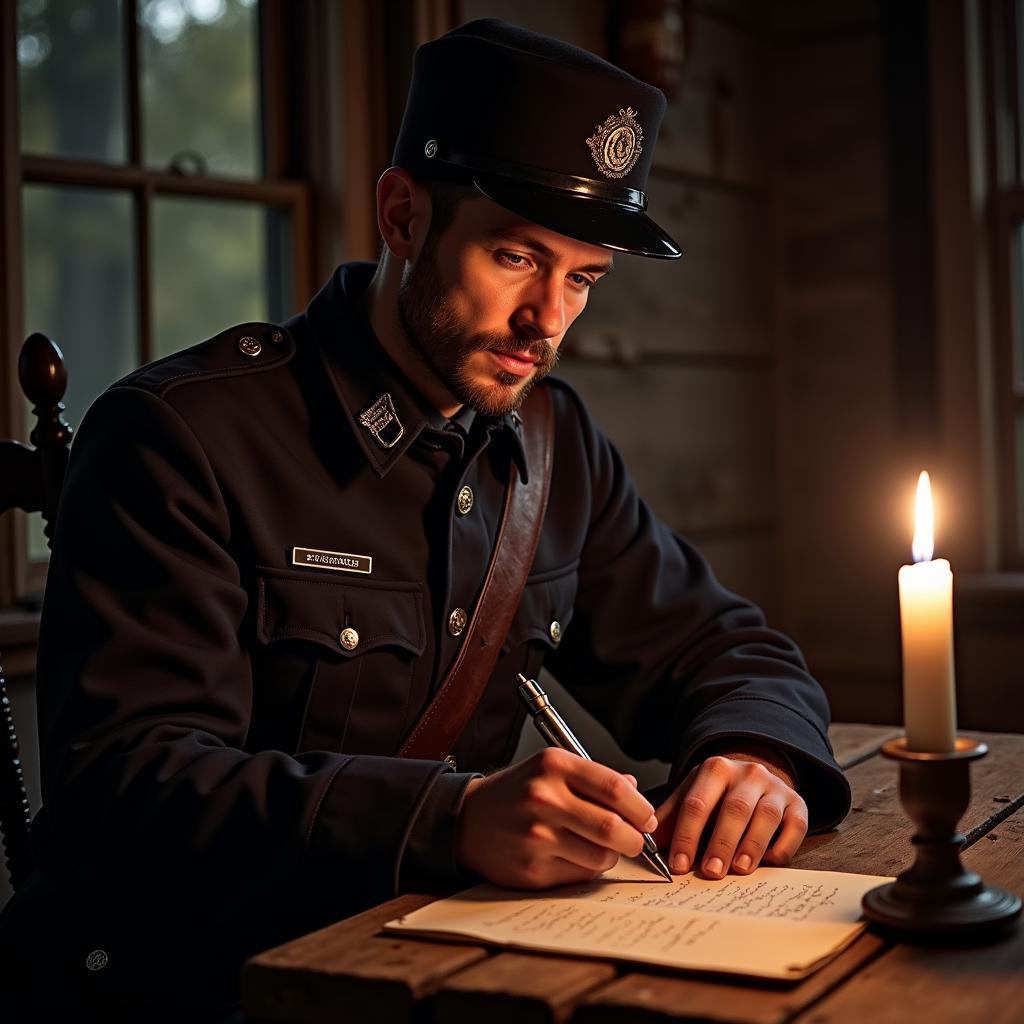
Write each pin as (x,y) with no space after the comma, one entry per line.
(554,855)
(602,785)
(564,872)
(747,814)
(600,826)
(584,854)
(699,796)
(747,820)
(794,829)
(596,803)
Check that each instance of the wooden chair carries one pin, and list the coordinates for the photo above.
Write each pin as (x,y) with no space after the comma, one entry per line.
(30,479)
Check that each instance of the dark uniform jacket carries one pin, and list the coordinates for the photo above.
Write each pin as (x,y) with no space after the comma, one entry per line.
(218,759)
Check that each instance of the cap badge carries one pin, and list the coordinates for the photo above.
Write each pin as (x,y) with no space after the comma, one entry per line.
(615,145)
(381,420)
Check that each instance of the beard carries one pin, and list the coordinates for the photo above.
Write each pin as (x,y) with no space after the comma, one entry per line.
(445,345)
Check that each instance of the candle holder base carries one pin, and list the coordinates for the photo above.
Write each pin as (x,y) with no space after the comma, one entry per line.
(937,898)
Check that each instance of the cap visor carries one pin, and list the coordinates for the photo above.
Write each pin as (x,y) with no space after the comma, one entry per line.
(582,217)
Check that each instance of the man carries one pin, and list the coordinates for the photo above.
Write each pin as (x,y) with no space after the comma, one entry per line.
(271,547)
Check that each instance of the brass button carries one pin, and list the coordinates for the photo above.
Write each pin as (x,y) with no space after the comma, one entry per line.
(555,629)
(348,638)
(451,760)
(97,960)
(464,502)
(457,621)
(276,337)
(249,346)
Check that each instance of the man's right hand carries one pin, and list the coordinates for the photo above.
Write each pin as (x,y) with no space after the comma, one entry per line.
(551,819)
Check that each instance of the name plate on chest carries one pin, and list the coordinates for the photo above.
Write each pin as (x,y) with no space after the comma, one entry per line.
(339,561)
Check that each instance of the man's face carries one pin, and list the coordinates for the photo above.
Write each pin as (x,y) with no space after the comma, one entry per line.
(487,303)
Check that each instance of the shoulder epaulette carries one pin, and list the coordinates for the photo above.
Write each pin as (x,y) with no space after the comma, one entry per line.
(245,348)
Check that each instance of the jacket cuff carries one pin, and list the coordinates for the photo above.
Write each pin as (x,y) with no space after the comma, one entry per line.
(428,856)
(364,818)
(819,780)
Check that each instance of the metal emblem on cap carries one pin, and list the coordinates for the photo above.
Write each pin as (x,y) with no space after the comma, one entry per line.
(616,144)
(381,420)
(430,149)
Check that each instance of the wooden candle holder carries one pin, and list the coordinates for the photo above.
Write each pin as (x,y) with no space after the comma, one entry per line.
(937,897)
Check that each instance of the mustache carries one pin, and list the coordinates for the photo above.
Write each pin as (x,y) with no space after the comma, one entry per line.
(541,351)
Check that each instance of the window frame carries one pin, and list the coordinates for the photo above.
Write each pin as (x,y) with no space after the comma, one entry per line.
(278,188)
(1002,21)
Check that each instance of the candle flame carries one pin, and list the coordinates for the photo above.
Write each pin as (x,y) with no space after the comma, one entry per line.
(924,521)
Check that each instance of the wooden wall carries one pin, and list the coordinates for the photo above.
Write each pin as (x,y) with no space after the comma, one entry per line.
(846,505)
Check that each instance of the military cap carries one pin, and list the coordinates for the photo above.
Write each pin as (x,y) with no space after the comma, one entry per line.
(541,127)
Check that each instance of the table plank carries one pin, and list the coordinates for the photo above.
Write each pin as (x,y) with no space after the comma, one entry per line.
(875,838)
(945,985)
(660,997)
(853,742)
(517,988)
(350,971)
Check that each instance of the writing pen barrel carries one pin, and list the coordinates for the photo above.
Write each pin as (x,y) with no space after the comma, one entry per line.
(556,733)
(548,721)
(552,727)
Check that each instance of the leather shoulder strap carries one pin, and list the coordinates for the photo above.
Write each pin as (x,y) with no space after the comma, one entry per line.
(440,725)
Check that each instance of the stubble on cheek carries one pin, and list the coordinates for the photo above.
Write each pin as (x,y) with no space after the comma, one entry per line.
(439,331)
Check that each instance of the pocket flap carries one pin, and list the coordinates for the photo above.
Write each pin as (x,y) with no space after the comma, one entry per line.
(545,610)
(347,617)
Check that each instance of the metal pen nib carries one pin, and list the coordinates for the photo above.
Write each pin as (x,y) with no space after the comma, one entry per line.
(655,859)
(556,733)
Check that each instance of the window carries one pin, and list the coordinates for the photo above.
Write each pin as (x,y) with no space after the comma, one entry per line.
(1003,49)
(151,199)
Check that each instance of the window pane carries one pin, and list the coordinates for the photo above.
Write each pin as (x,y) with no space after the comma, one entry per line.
(1018,307)
(80,286)
(1020,480)
(71,78)
(210,268)
(200,86)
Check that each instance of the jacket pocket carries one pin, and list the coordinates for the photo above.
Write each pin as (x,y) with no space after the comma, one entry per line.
(538,628)
(293,606)
(545,611)
(361,642)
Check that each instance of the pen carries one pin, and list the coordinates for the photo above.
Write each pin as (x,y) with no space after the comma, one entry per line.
(556,733)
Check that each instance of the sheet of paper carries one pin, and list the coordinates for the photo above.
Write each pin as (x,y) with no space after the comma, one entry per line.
(775,922)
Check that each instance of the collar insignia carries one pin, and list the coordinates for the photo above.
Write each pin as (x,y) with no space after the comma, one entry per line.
(381,420)
(615,145)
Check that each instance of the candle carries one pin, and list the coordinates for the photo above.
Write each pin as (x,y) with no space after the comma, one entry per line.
(926,625)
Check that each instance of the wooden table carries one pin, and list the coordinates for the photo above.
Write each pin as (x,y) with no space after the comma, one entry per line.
(351,972)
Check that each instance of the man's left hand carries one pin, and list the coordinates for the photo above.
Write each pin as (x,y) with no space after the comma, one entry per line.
(760,817)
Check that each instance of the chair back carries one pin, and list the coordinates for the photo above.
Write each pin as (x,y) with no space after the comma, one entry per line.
(31,477)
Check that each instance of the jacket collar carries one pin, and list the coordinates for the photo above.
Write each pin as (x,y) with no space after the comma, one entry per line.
(384,409)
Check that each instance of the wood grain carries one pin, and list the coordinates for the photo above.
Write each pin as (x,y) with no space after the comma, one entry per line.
(943,984)
(716,125)
(853,742)
(700,453)
(843,519)
(714,300)
(516,988)
(654,997)
(349,971)
(875,838)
